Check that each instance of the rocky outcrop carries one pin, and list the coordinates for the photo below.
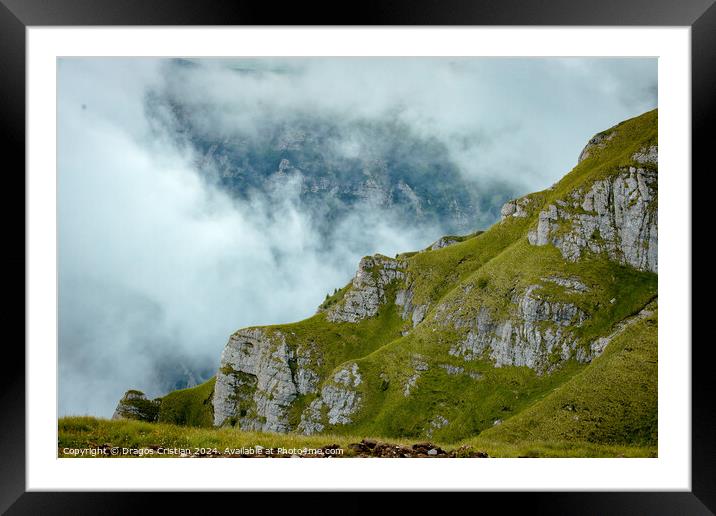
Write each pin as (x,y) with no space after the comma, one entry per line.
(338,401)
(443,242)
(516,208)
(135,405)
(536,330)
(598,346)
(259,378)
(409,311)
(452,370)
(436,423)
(599,141)
(419,365)
(570,284)
(647,155)
(616,216)
(368,289)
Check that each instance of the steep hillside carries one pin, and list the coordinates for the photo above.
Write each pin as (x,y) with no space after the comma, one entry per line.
(492,334)
(613,401)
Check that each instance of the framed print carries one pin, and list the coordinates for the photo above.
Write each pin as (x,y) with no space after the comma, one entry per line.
(425,247)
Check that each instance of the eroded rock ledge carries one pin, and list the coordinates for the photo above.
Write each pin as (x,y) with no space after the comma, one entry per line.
(259,378)
(535,332)
(338,401)
(368,289)
(616,216)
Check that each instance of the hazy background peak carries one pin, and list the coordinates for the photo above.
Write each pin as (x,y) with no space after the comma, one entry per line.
(198,196)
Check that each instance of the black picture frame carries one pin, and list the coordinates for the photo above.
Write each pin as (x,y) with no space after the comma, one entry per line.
(17,15)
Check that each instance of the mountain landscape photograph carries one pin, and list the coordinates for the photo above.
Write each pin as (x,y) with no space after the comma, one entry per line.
(391,257)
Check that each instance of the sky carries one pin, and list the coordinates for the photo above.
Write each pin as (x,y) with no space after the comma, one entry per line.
(157,267)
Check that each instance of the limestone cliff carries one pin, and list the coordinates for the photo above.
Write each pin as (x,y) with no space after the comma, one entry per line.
(616,216)
(368,289)
(337,402)
(529,335)
(259,378)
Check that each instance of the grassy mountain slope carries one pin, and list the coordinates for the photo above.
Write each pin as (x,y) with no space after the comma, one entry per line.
(613,401)
(492,338)
(191,407)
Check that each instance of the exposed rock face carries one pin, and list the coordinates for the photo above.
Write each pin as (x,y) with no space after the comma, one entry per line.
(516,208)
(368,289)
(418,314)
(436,423)
(452,370)
(411,196)
(338,401)
(415,313)
(536,330)
(135,405)
(647,155)
(259,378)
(597,142)
(616,216)
(443,242)
(571,284)
(419,366)
(597,347)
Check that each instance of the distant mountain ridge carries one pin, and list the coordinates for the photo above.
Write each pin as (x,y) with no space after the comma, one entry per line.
(337,164)
(544,323)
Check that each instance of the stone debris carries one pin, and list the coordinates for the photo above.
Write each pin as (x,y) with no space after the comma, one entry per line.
(372,448)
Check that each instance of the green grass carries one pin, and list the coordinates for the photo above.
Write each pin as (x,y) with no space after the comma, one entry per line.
(83,432)
(630,137)
(469,403)
(495,269)
(560,449)
(434,273)
(90,432)
(613,401)
(339,342)
(190,407)
(521,265)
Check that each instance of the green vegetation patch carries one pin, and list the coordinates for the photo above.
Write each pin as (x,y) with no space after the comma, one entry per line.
(89,433)
(613,401)
(191,407)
